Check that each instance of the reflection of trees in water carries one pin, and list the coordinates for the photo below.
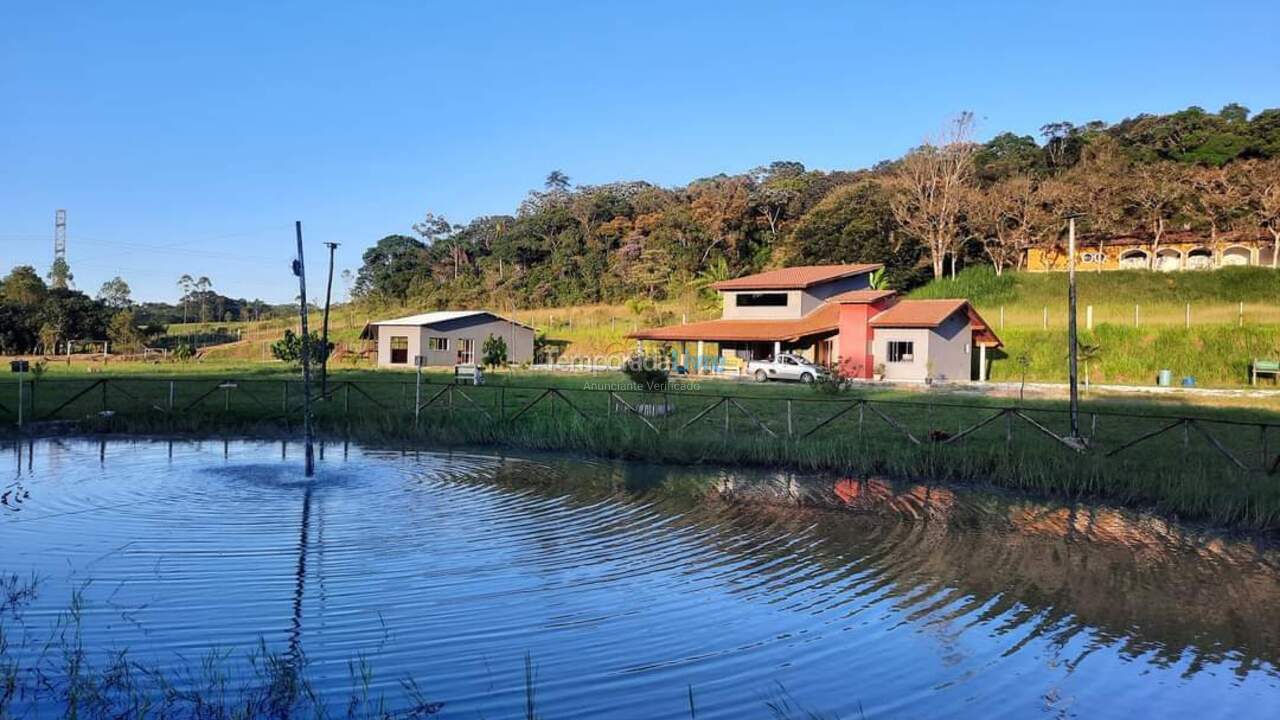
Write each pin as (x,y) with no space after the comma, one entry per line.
(1134,583)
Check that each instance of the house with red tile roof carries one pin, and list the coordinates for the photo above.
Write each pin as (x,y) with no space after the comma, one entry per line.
(831,315)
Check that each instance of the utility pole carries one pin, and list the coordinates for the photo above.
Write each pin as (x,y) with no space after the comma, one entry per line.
(1072,341)
(300,269)
(328,289)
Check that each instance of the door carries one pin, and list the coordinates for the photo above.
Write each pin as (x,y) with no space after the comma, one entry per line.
(466,351)
(399,350)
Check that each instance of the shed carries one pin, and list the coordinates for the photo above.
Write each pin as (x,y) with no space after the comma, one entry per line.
(447,337)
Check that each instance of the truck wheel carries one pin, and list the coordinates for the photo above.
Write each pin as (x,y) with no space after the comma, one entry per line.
(806,378)
(762,376)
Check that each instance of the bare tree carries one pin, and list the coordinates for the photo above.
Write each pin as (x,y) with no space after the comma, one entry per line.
(928,189)
(1217,197)
(1008,217)
(1155,192)
(1263,195)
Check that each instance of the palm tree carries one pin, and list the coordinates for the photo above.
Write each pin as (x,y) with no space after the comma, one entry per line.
(557,181)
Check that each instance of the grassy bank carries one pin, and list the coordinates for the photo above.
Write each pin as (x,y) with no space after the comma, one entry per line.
(1185,471)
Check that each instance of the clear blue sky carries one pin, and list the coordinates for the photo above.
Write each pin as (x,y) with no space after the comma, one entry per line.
(187,137)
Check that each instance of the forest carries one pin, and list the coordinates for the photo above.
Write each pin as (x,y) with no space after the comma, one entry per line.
(951,201)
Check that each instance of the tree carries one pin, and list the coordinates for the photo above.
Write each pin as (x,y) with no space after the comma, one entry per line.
(186,284)
(123,332)
(855,224)
(23,287)
(1216,197)
(389,267)
(1263,193)
(60,276)
(114,293)
(494,351)
(289,348)
(203,288)
(1008,217)
(1155,192)
(557,182)
(928,189)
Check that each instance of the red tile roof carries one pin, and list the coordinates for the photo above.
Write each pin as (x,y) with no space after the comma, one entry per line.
(918,313)
(861,297)
(825,319)
(931,314)
(795,278)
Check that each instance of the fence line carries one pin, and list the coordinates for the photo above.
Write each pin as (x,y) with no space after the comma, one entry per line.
(655,411)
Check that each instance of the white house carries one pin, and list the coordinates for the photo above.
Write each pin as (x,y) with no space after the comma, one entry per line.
(447,337)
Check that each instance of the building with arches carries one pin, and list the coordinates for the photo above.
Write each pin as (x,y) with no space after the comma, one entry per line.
(1179,250)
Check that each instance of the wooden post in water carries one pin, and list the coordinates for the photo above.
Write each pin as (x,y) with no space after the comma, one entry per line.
(300,269)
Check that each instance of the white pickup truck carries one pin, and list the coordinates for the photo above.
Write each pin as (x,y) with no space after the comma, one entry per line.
(785,367)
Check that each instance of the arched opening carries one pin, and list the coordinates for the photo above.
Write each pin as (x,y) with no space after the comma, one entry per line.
(1168,260)
(1236,255)
(1200,259)
(1133,260)
(1267,257)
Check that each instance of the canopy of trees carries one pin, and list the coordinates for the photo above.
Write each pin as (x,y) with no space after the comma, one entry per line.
(951,199)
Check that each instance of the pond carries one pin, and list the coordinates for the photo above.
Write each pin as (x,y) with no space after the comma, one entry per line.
(630,590)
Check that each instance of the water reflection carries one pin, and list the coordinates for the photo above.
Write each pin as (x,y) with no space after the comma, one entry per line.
(1140,583)
(629,583)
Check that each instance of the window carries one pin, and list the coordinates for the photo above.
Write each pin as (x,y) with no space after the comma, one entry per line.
(901,351)
(761,299)
(438,344)
(466,351)
(399,350)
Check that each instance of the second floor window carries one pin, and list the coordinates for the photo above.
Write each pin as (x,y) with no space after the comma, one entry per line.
(762,299)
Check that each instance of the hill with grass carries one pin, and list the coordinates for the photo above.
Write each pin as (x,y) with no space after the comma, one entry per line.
(1234,318)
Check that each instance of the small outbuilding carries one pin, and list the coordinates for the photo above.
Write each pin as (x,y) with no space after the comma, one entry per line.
(447,337)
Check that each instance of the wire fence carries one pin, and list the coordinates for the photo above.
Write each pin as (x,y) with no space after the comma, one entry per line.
(870,425)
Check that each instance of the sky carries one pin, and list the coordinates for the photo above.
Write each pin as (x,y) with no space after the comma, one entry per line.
(188,137)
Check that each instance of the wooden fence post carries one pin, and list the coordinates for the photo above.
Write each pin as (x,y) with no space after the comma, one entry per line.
(171,393)
(789,429)
(1135,314)
(1240,315)
(1088,317)
(1045,321)
(284,397)
(1186,321)
(104,394)
(1001,317)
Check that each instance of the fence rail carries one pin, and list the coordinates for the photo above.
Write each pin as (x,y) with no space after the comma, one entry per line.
(874,424)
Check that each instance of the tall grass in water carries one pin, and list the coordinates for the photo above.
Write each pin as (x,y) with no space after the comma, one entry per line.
(60,677)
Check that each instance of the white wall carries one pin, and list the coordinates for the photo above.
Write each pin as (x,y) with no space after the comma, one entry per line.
(519,341)
(944,351)
(913,370)
(731,310)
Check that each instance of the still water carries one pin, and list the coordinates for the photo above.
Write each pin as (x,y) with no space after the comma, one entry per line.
(632,587)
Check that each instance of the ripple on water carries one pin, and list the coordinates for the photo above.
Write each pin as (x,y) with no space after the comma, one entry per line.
(628,584)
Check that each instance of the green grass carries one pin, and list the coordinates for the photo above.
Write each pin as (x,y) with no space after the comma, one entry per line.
(1216,348)
(1192,480)
(1232,285)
